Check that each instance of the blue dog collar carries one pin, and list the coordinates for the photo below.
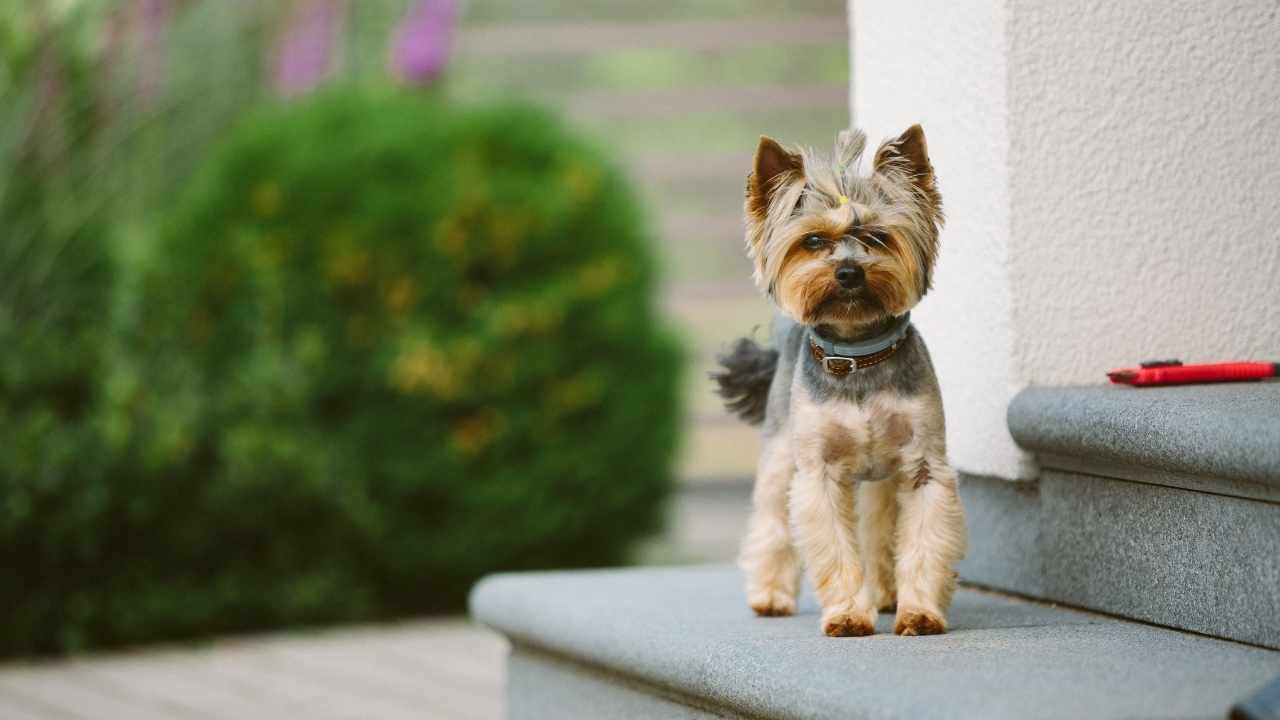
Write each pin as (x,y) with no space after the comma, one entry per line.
(842,358)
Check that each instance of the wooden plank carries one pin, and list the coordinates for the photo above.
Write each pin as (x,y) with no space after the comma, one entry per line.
(182,680)
(311,696)
(664,167)
(472,657)
(420,669)
(15,708)
(655,103)
(67,691)
(490,11)
(718,228)
(364,666)
(598,35)
(357,661)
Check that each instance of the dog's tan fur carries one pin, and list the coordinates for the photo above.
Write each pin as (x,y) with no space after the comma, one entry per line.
(860,491)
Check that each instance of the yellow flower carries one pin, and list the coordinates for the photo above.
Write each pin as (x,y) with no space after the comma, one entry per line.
(580,181)
(600,275)
(349,266)
(575,394)
(513,320)
(471,434)
(545,317)
(400,295)
(524,317)
(470,295)
(270,252)
(450,239)
(266,200)
(346,260)
(507,229)
(438,371)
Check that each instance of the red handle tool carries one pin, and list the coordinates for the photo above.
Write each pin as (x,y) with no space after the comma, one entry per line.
(1173,372)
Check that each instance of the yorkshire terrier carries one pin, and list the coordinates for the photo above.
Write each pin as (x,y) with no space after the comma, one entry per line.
(853,477)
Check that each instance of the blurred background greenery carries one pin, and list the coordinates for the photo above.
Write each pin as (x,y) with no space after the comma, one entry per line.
(318,310)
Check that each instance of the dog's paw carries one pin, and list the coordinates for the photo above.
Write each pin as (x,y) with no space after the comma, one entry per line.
(847,623)
(919,622)
(772,603)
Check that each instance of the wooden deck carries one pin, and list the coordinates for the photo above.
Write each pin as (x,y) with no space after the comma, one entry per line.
(438,669)
(422,670)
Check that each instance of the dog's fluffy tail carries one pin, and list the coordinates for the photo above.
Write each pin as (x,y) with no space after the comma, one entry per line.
(745,378)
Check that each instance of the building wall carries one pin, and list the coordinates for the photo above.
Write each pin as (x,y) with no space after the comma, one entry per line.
(949,75)
(1144,184)
(1110,172)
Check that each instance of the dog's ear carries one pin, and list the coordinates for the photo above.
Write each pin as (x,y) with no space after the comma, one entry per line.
(773,166)
(908,156)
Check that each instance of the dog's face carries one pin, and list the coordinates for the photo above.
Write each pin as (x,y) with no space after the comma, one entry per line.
(835,248)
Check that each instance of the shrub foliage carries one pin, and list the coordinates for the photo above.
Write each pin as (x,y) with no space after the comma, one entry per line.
(384,345)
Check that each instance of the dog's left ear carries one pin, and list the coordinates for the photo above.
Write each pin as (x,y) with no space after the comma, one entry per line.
(908,155)
(773,165)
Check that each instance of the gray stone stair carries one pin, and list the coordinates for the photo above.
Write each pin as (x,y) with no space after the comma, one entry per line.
(681,643)
(1222,438)
(1160,504)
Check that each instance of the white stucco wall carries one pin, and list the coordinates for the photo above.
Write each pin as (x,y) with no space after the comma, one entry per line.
(949,74)
(1111,172)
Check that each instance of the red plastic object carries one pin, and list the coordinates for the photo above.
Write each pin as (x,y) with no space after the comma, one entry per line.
(1185,374)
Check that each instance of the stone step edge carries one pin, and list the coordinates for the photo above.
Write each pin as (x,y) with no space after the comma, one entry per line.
(682,630)
(1224,432)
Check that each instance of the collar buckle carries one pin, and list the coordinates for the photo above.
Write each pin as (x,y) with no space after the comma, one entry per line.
(839,366)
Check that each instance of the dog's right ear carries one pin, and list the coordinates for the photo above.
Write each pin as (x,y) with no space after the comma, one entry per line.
(907,157)
(774,165)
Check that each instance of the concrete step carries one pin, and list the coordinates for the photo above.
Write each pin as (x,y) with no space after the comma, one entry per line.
(1223,438)
(1159,504)
(680,642)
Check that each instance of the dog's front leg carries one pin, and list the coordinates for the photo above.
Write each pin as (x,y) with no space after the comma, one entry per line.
(877,520)
(824,521)
(930,541)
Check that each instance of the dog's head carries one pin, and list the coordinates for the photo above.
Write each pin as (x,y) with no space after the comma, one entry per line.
(833,247)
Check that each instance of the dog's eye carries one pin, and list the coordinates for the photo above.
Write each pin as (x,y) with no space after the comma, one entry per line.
(814,242)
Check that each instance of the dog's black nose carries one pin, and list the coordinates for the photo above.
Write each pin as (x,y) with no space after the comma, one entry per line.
(849,276)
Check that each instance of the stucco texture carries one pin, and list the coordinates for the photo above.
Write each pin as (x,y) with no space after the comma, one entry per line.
(1109,172)
(1144,177)
(949,75)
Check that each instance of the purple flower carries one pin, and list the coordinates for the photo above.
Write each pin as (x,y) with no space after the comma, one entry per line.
(305,55)
(153,17)
(420,48)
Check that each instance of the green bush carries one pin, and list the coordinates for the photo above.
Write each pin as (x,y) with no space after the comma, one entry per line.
(53,287)
(384,345)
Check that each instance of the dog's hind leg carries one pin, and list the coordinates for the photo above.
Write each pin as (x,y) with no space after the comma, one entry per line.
(768,557)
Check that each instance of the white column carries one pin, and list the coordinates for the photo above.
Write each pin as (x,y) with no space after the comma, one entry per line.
(1111,175)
